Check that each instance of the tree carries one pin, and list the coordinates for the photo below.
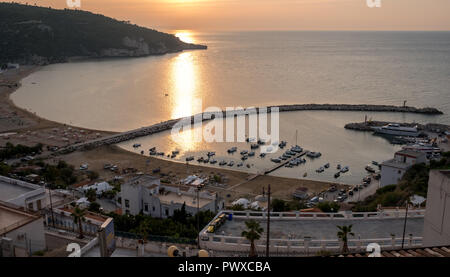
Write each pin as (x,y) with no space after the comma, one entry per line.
(343,235)
(328,207)
(94,207)
(78,215)
(181,215)
(279,205)
(252,233)
(91,195)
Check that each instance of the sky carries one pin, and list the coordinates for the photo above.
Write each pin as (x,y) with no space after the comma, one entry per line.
(248,15)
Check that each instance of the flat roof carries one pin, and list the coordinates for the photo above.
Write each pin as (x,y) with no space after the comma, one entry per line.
(396,164)
(10,191)
(175,198)
(327,229)
(410,153)
(12,218)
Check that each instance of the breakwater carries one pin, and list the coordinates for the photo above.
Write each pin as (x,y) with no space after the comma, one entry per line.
(167,125)
(367,126)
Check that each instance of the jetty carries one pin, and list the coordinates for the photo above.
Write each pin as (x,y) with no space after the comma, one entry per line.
(283,163)
(167,125)
(367,126)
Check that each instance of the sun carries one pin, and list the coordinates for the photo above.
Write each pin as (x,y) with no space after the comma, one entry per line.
(185,36)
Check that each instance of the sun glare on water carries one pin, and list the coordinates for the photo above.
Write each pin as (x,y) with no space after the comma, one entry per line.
(185,36)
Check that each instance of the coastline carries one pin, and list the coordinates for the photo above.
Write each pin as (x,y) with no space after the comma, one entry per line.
(96,158)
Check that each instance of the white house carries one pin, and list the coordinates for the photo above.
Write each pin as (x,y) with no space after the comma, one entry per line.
(436,231)
(146,194)
(98,187)
(393,170)
(29,196)
(21,232)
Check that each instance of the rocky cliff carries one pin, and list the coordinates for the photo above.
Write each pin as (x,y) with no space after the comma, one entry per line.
(38,35)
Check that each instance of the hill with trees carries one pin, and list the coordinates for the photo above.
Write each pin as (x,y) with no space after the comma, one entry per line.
(40,35)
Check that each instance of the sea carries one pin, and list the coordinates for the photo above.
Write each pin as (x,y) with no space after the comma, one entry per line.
(257,69)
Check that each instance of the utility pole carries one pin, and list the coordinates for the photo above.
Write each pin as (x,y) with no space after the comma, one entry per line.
(51,207)
(268,221)
(404,226)
(198,217)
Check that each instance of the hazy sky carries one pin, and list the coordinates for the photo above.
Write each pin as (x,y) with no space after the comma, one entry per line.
(214,15)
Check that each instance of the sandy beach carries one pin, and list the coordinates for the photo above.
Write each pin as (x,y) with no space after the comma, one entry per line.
(20,126)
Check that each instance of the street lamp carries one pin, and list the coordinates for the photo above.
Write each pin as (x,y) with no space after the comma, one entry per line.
(404,225)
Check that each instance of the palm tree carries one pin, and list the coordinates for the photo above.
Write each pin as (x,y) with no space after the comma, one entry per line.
(252,233)
(343,235)
(78,217)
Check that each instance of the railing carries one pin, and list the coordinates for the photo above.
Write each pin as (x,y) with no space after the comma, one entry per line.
(240,244)
(156,238)
(324,216)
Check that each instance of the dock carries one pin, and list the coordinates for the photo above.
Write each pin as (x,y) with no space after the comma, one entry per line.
(167,125)
(283,163)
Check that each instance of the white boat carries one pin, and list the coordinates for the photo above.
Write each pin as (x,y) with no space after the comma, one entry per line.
(397,130)
(422,147)
(344,169)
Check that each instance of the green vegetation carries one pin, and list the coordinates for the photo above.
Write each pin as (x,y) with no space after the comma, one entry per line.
(181,225)
(328,207)
(5,169)
(279,205)
(94,207)
(78,216)
(343,233)
(415,181)
(59,176)
(16,151)
(252,233)
(32,34)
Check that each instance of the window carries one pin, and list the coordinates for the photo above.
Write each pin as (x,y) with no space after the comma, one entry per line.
(153,208)
(167,212)
(146,207)
(127,203)
(39,205)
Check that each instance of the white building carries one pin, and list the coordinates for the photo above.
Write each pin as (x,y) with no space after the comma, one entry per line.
(145,193)
(98,187)
(21,232)
(393,170)
(437,216)
(29,196)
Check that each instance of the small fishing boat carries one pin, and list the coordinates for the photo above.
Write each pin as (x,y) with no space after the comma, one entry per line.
(213,161)
(262,155)
(254,146)
(337,174)
(370,169)
(232,150)
(327,165)
(344,169)
(338,167)
(136,145)
(244,152)
(320,170)
(222,163)
(190,158)
(231,163)
(240,164)
(275,160)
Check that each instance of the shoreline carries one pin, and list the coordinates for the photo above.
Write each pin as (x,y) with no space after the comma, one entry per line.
(282,187)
